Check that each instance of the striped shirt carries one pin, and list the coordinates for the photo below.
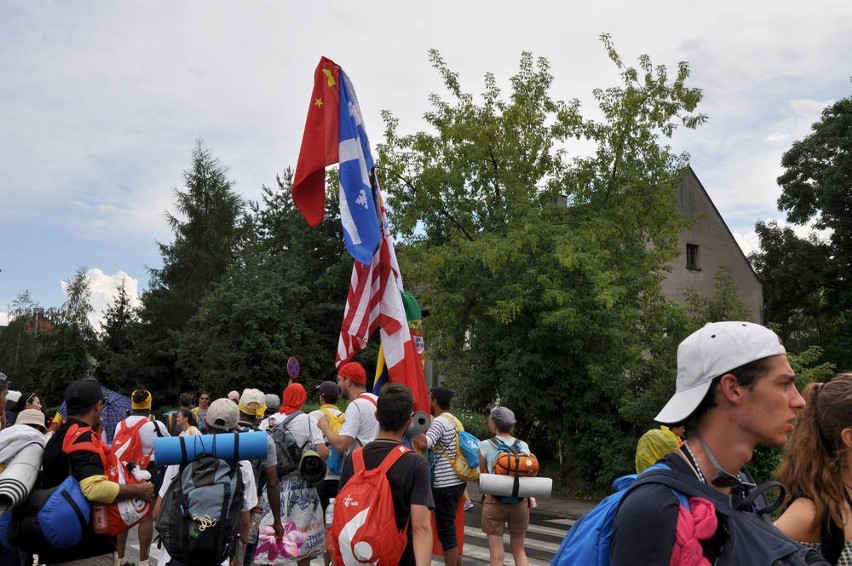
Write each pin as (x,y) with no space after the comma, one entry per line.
(441,439)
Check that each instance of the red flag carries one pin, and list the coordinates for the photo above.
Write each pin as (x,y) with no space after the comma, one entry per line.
(375,300)
(319,143)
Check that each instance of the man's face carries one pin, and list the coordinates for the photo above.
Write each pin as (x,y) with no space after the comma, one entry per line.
(770,406)
(433,405)
(343,384)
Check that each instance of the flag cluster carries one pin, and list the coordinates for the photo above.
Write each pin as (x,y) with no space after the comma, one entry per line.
(334,131)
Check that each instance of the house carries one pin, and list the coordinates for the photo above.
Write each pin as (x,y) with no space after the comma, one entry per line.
(706,247)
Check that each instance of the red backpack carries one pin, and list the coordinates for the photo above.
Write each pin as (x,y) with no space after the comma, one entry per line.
(127,444)
(363,510)
(111,518)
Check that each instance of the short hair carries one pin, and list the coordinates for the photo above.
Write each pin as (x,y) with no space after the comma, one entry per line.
(190,416)
(746,374)
(443,397)
(393,408)
(185,399)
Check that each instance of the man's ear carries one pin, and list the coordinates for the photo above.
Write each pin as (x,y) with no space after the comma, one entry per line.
(731,389)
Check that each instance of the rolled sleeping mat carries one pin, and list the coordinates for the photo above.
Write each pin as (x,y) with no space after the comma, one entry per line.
(495,484)
(419,424)
(20,474)
(227,445)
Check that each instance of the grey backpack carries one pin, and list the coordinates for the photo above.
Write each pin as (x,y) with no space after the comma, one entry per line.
(287,450)
(200,513)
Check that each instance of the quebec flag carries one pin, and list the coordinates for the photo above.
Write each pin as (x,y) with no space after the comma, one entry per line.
(358,214)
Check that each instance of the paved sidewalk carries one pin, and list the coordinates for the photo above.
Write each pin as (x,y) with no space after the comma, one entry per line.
(554,505)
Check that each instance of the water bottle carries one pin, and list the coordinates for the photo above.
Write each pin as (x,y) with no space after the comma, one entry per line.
(329,514)
(100,519)
(254,525)
(329,519)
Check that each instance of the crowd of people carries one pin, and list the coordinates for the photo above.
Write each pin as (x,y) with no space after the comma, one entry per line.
(281,518)
(735,390)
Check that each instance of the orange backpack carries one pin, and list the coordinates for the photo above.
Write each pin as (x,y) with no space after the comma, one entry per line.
(510,461)
(363,530)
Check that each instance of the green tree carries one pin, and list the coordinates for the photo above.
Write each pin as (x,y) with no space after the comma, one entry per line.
(208,232)
(67,353)
(285,297)
(804,279)
(117,362)
(544,307)
(18,344)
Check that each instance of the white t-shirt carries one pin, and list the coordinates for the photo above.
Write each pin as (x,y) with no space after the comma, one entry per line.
(249,495)
(361,423)
(191,431)
(147,432)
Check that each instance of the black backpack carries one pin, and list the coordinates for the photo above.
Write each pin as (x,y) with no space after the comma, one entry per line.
(287,450)
(752,539)
(200,514)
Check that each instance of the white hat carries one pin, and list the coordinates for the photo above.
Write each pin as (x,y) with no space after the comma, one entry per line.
(223,414)
(252,402)
(30,417)
(711,352)
(13,396)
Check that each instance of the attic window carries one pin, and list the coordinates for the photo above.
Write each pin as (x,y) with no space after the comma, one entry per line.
(692,257)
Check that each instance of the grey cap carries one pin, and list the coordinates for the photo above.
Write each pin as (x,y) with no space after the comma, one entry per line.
(503,417)
(273,402)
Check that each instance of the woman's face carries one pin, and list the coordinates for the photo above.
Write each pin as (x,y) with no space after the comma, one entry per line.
(33,403)
(181,420)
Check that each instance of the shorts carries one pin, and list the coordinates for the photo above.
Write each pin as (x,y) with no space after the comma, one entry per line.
(495,515)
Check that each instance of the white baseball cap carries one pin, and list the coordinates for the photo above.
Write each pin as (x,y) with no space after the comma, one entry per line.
(710,352)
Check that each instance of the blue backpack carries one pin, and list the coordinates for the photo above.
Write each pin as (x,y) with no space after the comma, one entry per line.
(752,539)
(587,542)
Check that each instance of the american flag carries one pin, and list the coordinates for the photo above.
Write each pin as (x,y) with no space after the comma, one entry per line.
(375,301)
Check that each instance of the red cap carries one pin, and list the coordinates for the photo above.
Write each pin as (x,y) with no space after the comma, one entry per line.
(354,372)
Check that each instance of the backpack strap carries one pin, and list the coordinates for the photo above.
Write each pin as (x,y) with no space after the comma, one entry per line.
(290,417)
(368,397)
(455,422)
(498,443)
(458,427)
(390,459)
(832,537)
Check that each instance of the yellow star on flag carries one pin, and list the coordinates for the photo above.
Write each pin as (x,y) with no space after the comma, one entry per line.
(329,76)
(318,102)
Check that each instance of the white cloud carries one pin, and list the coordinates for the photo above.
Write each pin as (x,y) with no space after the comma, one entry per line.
(104,289)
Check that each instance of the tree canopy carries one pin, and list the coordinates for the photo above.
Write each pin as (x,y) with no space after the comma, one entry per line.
(542,269)
(805,279)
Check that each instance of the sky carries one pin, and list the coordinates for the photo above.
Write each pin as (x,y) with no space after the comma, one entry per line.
(102,102)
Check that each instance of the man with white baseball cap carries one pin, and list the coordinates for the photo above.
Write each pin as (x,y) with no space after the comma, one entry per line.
(735,390)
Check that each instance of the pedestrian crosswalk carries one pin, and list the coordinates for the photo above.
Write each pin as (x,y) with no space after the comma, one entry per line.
(542,541)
